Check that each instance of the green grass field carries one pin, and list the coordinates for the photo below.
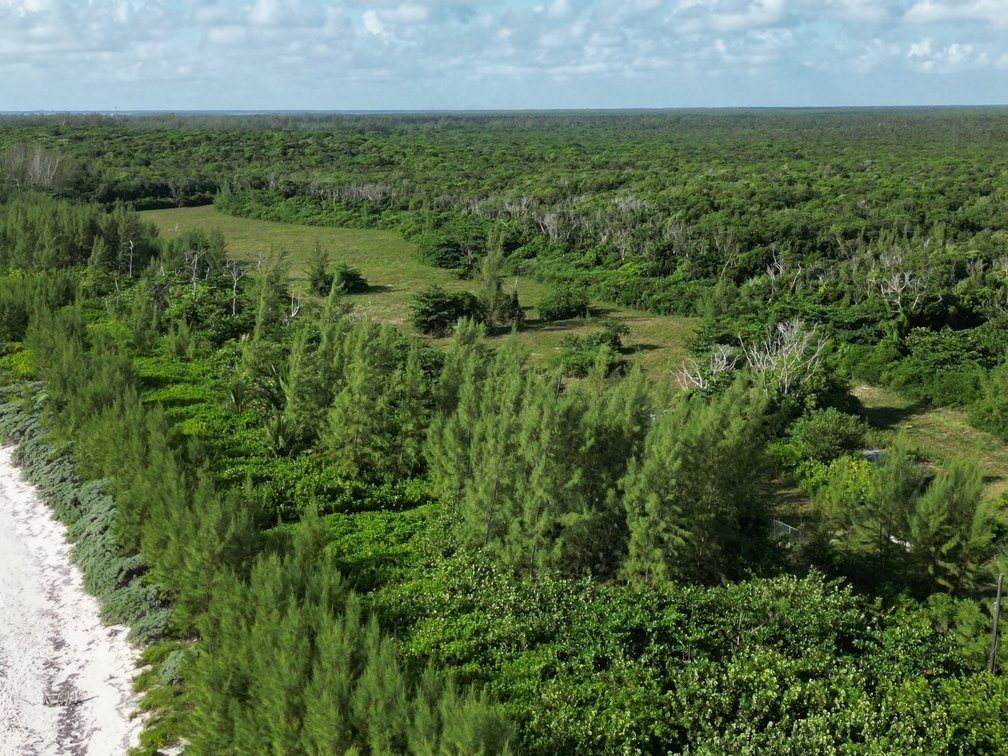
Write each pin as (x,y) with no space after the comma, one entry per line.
(657,343)
(940,432)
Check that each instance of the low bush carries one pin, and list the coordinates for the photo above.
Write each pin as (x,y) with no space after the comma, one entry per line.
(562,303)
(579,354)
(350,280)
(436,311)
(990,410)
(824,435)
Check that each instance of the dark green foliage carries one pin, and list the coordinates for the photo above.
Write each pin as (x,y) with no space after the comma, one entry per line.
(21,294)
(990,409)
(213,406)
(783,665)
(290,663)
(900,524)
(533,473)
(320,278)
(823,435)
(942,368)
(436,311)
(350,280)
(41,233)
(455,243)
(596,350)
(500,307)
(292,487)
(563,302)
(692,498)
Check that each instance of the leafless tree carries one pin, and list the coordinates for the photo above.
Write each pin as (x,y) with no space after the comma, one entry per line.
(720,361)
(899,281)
(191,259)
(295,308)
(129,256)
(786,357)
(236,271)
(783,273)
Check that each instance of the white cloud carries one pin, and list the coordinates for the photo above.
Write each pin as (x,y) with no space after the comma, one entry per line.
(372,23)
(558,9)
(729,15)
(928,56)
(405,14)
(993,12)
(858,11)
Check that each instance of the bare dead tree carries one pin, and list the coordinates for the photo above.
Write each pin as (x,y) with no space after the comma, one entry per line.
(783,272)
(191,260)
(901,284)
(549,224)
(721,360)
(129,257)
(295,308)
(236,271)
(786,357)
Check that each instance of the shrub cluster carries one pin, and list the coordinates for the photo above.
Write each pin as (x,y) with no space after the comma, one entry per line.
(562,303)
(436,311)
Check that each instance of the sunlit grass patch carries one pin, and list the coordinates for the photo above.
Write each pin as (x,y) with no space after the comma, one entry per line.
(395,275)
(941,432)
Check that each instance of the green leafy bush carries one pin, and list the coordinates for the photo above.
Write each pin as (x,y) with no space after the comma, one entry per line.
(562,303)
(436,311)
(825,434)
(350,280)
(320,278)
(579,354)
(990,410)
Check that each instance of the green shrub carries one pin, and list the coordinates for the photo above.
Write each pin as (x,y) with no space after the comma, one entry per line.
(580,354)
(990,410)
(562,303)
(823,435)
(456,243)
(436,311)
(350,280)
(320,278)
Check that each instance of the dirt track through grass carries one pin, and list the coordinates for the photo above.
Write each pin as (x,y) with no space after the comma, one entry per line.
(387,261)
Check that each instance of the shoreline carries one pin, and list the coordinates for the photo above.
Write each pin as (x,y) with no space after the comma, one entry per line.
(65,678)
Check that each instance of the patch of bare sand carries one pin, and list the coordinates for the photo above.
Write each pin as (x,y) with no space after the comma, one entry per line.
(65,678)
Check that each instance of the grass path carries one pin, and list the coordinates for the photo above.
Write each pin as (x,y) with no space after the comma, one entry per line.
(657,343)
(941,432)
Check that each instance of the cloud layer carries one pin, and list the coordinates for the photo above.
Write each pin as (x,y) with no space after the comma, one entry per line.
(459,54)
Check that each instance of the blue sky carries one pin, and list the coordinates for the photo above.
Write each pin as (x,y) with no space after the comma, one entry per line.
(477,54)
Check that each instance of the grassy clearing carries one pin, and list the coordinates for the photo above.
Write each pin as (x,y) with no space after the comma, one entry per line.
(941,432)
(658,343)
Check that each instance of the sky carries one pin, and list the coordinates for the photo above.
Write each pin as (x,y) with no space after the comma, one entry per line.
(105,55)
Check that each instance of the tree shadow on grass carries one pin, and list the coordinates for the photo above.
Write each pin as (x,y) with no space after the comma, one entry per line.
(633,348)
(989,480)
(888,417)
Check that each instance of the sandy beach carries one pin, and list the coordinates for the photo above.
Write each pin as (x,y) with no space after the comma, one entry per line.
(64,676)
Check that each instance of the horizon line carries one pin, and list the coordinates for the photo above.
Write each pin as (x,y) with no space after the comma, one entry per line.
(390,111)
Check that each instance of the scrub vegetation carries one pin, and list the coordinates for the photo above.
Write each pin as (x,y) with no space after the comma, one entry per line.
(346,452)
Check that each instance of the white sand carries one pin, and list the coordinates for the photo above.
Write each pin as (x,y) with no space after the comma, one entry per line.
(52,643)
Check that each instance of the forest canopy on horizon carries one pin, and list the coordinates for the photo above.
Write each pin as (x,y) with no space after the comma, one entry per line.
(335,536)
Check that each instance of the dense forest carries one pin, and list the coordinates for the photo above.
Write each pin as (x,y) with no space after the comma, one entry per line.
(335,536)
